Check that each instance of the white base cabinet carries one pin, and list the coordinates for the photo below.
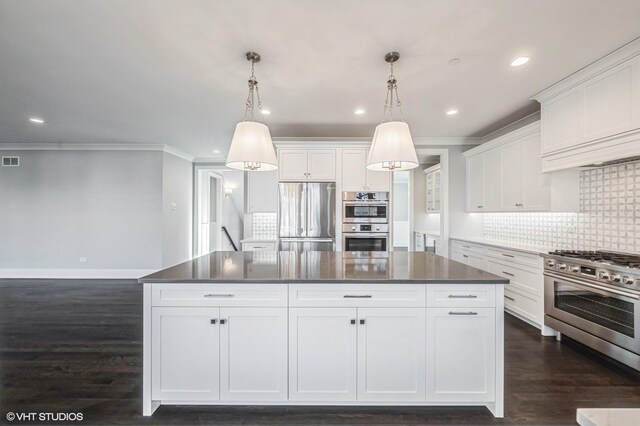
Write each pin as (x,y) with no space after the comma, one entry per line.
(323,344)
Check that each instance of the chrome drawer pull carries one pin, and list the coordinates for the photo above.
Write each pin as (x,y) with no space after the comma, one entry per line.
(466,296)
(508,255)
(510,298)
(218,295)
(463,313)
(357,296)
(508,273)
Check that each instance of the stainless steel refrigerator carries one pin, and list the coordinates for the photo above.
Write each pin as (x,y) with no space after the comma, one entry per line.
(307,216)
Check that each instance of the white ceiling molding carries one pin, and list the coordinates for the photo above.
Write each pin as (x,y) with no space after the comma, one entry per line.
(95,147)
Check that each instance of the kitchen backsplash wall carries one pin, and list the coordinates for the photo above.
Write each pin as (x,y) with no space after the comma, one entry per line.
(265,226)
(609,217)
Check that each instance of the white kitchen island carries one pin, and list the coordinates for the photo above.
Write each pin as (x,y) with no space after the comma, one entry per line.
(323,328)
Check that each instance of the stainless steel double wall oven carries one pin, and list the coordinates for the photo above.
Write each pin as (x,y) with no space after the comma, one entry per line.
(365,221)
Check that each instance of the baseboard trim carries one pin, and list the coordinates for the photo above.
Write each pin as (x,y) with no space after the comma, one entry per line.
(76,273)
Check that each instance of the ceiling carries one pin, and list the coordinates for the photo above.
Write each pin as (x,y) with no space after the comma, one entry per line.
(173,71)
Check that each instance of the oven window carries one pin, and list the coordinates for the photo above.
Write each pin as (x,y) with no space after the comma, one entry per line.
(365,211)
(608,311)
(365,244)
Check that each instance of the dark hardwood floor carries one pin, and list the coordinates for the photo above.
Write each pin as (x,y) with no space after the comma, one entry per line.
(75,346)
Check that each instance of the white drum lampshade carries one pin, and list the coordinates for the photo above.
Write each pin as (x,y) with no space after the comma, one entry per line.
(392,148)
(252,148)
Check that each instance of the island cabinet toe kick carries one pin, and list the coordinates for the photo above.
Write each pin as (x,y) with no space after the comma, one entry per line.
(323,344)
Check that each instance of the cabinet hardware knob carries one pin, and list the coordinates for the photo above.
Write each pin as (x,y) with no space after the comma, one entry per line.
(508,273)
(353,321)
(361,321)
(479,207)
(214,321)
(464,255)
(462,313)
(510,298)
(462,296)
(223,321)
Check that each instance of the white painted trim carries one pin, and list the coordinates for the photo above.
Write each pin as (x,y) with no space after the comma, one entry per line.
(96,147)
(609,61)
(527,130)
(76,273)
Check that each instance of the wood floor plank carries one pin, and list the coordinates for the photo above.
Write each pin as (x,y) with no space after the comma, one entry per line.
(76,345)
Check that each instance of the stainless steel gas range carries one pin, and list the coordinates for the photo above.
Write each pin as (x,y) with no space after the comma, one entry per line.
(594,298)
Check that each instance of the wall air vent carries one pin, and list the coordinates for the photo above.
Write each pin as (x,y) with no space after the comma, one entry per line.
(10,161)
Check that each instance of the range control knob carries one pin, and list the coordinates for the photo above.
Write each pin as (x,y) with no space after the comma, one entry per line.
(551,263)
(377,228)
(616,278)
(353,228)
(575,268)
(604,275)
(627,280)
(562,266)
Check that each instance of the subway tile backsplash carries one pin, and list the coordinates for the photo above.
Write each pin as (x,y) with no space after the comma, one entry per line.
(609,217)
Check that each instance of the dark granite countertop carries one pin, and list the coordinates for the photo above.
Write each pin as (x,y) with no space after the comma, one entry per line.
(322,267)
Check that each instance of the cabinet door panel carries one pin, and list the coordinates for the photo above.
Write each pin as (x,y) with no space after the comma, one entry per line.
(608,103)
(353,169)
(322,354)
(492,180)
(321,164)
(378,181)
(512,176)
(391,354)
(475,183)
(461,359)
(561,122)
(292,164)
(536,191)
(253,354)
(262,188)
(185,351)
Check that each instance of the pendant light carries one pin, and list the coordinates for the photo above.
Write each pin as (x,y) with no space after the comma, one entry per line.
(251,146)
(392,145)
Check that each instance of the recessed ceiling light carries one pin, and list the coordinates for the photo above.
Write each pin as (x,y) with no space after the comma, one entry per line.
(519,61)
(359,111)
(265,112)
(452,112)
(216,151)
(36,120)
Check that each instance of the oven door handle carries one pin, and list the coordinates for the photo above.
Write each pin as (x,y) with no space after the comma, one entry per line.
(366,235)
(594,287)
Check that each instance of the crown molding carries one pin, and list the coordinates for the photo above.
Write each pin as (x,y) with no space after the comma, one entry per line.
(96,147)
(523,131)
(599,66)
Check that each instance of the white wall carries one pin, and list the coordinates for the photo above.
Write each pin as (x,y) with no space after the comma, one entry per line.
(423,222)
(233,208)
(177,192)
(401,234)
(59,206)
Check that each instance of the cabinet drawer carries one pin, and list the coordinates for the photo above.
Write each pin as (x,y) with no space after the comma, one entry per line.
(461,295)
(266,246)
(467,247)
(515,256)
(527,306)
(357,295)
(262,295)
(524,278)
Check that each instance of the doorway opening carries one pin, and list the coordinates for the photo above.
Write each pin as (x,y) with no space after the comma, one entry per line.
(401,209)
(218,209)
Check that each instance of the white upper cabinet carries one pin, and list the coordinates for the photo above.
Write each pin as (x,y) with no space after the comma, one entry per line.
(503,175)
(262,191)
(356,177)
(306,164)
(475,183)
(593,115)
(433,186)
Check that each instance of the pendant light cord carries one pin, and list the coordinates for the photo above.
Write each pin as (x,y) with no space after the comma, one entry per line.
(392,86)
(253,94)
